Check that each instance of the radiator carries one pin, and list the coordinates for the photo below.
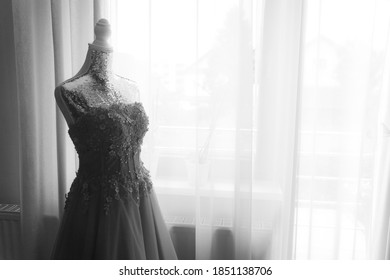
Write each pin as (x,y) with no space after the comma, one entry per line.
(10,232)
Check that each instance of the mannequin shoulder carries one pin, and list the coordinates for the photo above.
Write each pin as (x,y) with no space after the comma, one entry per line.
(76,84)
(73,88)
(65,103)
(71,92)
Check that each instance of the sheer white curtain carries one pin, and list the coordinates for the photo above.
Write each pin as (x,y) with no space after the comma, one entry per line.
(264,140)
(342,166)
(221,89)
(380,224)
(51,41)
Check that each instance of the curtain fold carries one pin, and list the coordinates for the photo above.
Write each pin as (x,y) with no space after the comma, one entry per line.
(51,41)
(62,56)
(380,225)
(35,83)
(279,110)
(380,233)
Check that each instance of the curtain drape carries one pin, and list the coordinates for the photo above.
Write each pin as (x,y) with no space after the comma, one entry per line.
(380,224)
(342,196)
(221,89)
(264,122)
(51,41)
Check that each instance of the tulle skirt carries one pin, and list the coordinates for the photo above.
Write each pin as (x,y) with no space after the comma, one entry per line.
(129,231)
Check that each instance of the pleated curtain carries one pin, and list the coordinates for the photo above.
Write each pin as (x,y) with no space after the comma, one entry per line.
(51,41)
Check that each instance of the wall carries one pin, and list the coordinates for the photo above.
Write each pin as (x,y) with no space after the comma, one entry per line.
(9,158)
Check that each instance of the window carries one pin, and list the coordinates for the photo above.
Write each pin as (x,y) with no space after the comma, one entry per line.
(193,61)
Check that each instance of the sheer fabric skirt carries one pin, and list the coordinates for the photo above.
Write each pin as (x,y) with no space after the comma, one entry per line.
(128,231)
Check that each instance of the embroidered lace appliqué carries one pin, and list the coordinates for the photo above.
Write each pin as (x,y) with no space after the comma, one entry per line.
(108,141)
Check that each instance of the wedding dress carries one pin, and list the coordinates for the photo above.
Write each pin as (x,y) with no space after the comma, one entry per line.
(111,210)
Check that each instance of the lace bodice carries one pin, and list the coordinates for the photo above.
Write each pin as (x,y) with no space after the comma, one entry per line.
(107,130)
(108,141)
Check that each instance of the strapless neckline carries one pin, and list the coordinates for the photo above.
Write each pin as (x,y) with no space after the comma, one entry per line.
(97,110)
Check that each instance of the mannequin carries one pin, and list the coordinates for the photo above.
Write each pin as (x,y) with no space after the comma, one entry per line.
(111,210)
(122,89)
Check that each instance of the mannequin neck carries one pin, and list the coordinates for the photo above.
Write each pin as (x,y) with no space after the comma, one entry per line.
(101,65)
